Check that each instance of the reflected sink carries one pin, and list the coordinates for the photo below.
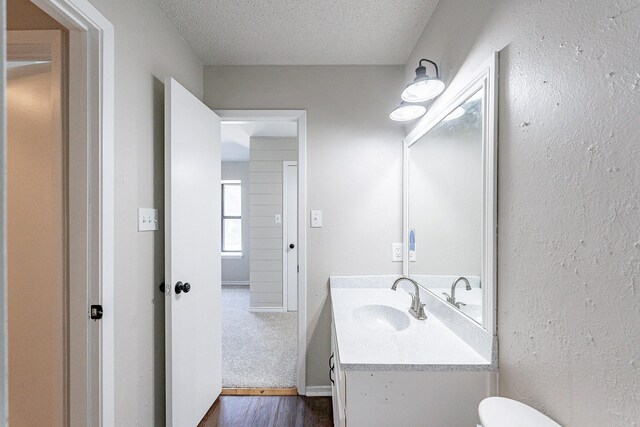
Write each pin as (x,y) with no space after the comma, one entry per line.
(379,317)
(474,311)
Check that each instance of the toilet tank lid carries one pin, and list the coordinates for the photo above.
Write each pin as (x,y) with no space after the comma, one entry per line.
(503,412)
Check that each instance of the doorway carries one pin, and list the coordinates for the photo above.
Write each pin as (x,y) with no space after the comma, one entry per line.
(259,268)
(36,226)
(86,255)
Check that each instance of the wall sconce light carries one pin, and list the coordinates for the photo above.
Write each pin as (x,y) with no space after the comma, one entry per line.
(423,88)
(406,111)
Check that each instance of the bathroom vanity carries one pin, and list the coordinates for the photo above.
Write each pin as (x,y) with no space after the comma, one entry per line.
(389,368)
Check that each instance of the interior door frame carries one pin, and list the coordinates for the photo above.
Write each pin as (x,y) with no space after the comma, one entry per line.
(91,140)
(285,226)
(300,117)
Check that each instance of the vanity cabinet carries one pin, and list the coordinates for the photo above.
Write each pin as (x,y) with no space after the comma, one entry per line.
(404,398)
(336,375)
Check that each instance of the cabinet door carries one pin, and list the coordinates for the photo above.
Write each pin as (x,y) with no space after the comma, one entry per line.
(337,384)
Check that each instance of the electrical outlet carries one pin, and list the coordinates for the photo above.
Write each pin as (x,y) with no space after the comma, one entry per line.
(396,252)
(316,219)
(278,219)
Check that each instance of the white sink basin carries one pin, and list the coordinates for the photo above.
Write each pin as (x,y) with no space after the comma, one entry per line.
(379,317)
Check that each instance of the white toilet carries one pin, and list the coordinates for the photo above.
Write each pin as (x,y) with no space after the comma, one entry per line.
(503,412)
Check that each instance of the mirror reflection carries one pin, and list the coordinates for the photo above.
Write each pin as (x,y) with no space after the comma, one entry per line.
(445,189)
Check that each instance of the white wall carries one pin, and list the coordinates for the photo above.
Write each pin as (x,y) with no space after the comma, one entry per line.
(237,269)
(354,170)
(267,155)
(569,195)
(147,50)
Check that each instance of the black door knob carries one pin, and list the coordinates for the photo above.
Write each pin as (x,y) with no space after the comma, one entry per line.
(291,246)
(179,287)
(186,288)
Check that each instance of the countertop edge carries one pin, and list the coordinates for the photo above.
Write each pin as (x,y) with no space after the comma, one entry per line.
(367,367)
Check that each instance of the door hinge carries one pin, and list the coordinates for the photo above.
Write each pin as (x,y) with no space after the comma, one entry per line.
(298,269)
(96,312)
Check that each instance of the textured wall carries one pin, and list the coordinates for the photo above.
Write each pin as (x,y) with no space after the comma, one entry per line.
(234,269)
(147,50)
(354,170)
(267,155)
(569,180)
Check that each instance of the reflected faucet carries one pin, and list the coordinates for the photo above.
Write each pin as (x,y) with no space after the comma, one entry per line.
(417,308)
(452,299)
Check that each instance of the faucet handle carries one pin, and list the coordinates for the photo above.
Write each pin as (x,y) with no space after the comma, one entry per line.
(414,301)
(460,304)
(420,310)
(447,295)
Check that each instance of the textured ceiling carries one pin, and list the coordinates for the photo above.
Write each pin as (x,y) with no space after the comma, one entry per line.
(304,32)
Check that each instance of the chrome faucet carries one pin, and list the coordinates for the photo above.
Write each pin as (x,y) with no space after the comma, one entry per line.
(417,308)
(452,299)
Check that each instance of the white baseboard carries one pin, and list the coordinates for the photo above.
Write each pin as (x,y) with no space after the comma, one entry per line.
(267,310)
(319,390)
(234,283)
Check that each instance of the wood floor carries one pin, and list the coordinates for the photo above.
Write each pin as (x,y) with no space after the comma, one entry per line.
(266,411)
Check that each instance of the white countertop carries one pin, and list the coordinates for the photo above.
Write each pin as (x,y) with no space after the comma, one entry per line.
(427,345)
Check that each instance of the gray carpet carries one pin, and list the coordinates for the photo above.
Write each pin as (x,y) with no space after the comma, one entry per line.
(258,349)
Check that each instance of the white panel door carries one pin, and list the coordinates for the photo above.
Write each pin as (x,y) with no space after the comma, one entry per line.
(291,234)
(192,251)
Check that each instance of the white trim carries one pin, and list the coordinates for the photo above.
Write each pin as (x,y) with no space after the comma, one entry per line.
(91,131)
(285,228)
(319,390)
(235,283)
(405,210)
(299,116)
(486,79)
(231,255)
(267,310)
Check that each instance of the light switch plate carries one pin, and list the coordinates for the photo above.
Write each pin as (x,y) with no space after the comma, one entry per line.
(147,219)
(316,219)
(396,252)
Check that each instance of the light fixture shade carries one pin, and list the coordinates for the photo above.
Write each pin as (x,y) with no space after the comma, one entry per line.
(422,90)
(423,87)
(406,111)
